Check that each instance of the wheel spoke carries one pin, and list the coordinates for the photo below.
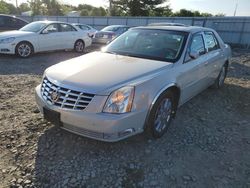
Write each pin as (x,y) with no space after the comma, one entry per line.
(163,115)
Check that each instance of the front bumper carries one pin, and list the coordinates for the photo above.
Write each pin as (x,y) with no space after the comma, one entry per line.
(96,125)
(7,48)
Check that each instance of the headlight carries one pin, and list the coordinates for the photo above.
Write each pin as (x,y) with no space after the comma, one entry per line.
(7,40)
(120,101)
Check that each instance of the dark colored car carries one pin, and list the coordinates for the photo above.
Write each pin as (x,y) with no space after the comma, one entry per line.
(108,33)
(8,23)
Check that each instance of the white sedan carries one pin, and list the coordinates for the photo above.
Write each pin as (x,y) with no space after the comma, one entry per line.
(43,36)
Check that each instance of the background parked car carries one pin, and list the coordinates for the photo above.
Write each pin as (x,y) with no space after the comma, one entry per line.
(91,31)
(108,33)
(43,36)
(166,24)
(11,23)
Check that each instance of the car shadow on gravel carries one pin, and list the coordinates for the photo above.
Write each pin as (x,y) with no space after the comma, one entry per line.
(195,140)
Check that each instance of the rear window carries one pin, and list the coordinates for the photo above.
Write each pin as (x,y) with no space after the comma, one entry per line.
(211,41)
(111,28)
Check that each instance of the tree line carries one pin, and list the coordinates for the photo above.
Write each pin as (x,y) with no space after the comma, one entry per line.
(116,8)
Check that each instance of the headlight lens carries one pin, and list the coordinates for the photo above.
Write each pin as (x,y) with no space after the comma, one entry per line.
(120,101)
(7,40)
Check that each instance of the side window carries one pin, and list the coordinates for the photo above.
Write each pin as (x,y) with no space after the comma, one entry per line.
(211,41)
(124,29)
(66,28)
(83,27)
(52,28)
(10,22)
(2,21)
(21,22)
(197,46)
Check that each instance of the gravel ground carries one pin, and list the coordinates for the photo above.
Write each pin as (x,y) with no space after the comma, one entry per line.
(208,144)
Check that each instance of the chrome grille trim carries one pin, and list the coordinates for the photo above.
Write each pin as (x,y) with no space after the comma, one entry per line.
(68,98)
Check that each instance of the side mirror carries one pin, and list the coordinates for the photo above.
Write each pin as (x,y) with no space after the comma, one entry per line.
(194,55)
(45,32)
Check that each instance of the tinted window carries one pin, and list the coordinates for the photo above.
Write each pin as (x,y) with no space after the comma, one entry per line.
(2,21)
(211,41)
(124,29)
(66,28)
(20,22)
(197,45)
(83,27)
(111,28)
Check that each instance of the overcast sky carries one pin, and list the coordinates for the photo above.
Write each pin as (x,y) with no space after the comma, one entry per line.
(210,6)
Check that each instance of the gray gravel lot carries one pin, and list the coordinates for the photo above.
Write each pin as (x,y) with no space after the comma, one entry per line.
(208,144)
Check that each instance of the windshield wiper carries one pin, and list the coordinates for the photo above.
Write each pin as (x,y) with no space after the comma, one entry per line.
(109,52)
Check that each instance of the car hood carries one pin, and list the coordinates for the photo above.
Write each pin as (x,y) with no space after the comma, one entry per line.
(100,73)
(16,33)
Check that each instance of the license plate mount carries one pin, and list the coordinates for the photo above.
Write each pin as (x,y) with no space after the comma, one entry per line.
(52,116)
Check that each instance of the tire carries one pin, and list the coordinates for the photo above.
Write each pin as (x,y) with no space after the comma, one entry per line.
(219,82)
(24,49)
(79,46)
(161,115)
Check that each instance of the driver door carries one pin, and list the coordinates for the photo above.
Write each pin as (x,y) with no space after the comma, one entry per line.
(49,38)
(191,77)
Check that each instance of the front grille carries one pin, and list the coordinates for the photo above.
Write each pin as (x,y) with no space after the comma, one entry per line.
(67,98)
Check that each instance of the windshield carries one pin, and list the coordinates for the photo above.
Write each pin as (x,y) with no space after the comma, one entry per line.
(150,44)
(33,27)
(111,28)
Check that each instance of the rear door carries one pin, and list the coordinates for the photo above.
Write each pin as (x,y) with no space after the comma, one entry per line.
(68,35)
(191,77)
(215,57)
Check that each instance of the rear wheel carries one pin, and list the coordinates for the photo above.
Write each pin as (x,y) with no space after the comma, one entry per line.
(161,115)
(24,49)
(219,82)
(79,46)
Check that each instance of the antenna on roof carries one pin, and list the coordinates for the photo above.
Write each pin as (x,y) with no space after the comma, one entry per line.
(236,7)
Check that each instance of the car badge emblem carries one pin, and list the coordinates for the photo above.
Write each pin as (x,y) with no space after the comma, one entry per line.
(55,96)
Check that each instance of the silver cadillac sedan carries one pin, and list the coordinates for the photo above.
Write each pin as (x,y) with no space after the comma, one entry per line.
(135,84)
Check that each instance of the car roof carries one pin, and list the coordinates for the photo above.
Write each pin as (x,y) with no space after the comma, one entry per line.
(79,24)
(117,26)
(189,29)
(166,24)
(12,16)
(48,21)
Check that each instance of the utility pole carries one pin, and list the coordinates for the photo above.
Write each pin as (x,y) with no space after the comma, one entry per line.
(236,7)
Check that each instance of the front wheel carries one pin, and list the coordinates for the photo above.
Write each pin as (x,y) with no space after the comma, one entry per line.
(161,115)
(24,49)
(79,46)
